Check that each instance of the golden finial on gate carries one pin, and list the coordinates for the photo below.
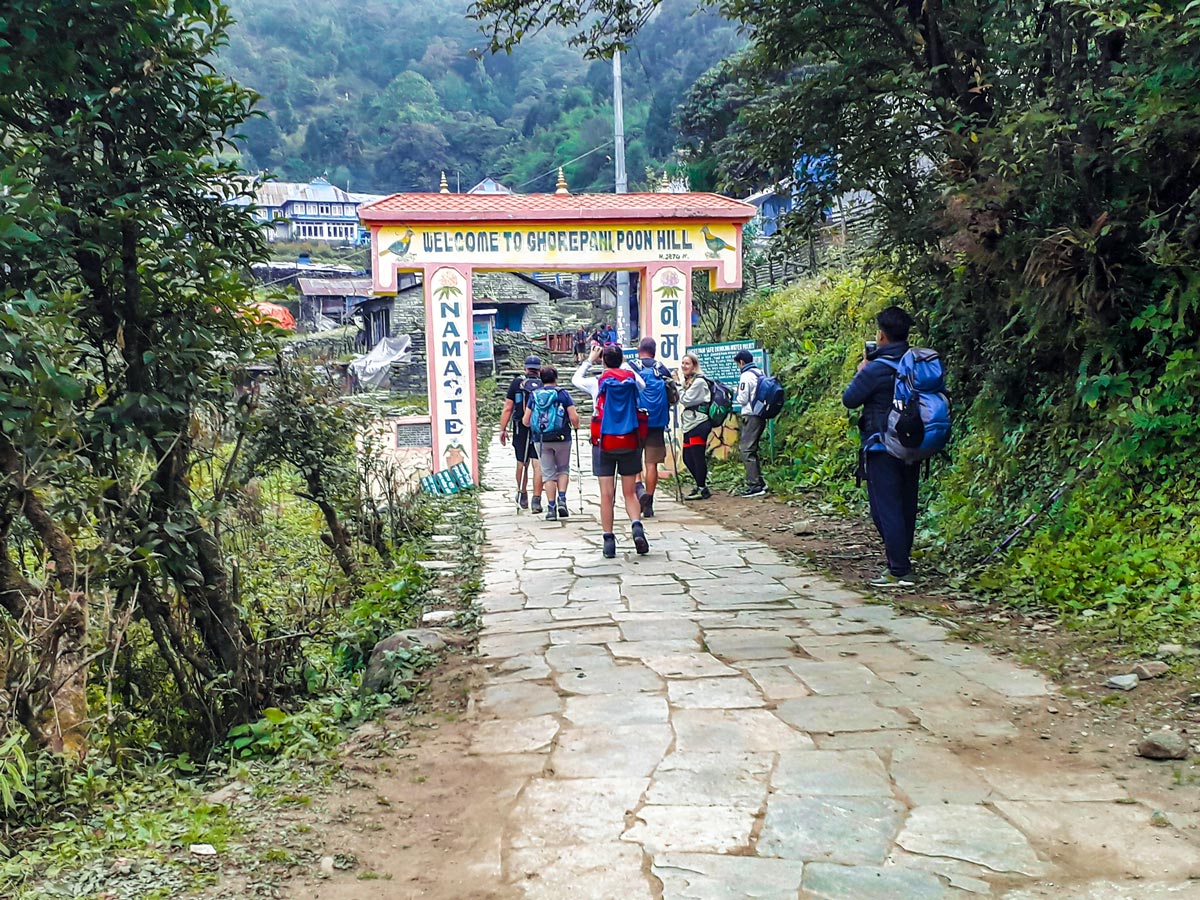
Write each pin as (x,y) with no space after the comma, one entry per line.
(561,187)
(444,188)
(664,186)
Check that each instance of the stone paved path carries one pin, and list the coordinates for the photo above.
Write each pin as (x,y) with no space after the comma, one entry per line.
(714,722)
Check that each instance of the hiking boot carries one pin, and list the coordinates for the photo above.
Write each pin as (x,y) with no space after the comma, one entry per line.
(523,499)
(699,493)
(610,546)
(647,502)
(537,505)
(888,580)
(562,510)
(639,539)
(551,513)
(760,491)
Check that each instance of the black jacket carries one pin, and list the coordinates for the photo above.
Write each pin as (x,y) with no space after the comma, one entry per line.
(872,389)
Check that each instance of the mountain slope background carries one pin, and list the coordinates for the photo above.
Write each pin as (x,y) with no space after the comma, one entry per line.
(383,95)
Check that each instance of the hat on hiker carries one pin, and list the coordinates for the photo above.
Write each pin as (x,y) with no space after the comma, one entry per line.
(533,362)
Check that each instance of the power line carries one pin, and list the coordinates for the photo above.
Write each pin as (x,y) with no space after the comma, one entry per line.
(557,166)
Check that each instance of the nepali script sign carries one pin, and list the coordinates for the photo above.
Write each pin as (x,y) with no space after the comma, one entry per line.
(717,362)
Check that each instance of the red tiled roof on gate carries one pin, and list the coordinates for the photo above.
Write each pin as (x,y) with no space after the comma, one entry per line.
(539,207)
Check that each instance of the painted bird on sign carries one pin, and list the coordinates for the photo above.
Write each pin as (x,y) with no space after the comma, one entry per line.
(715,244)
(400,247)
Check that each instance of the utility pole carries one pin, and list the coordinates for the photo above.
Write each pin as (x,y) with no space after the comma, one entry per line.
(623,332)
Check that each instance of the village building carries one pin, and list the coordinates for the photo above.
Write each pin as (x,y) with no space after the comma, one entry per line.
(334,298)
(317,211)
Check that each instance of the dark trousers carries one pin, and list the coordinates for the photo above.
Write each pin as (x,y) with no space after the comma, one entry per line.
(695,453)
(892,489)
(752,428)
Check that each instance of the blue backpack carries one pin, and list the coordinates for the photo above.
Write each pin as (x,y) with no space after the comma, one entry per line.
(918,425)
(549,414)
(617,424)
(655,397)
(768,396)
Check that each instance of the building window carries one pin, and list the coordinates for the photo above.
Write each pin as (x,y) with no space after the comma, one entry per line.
(323,209)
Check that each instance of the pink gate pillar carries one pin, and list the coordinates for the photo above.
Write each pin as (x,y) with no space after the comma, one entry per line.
(451,360)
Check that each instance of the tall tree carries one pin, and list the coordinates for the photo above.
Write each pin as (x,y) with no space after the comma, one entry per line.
(114,120)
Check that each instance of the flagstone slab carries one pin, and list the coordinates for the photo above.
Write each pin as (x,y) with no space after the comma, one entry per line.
(596,634)
(850,830)
(657,628)
(520,700)
(827,881)
(520,668)
(627,679)
(734,731)
(514,735)
(649,649)
(850,712)
(928,774)
(713,693)
(720,829)
(832,678)
(705,876)
(503,645)
(840,773)
(569,657)
(777,682)
(688,665)
(711,779)
(573,811)
(972,833)
(663,602)
(614,751)
(748,644)
(582,872)
(596,590)
(611,712)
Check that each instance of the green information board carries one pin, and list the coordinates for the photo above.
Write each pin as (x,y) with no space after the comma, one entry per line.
(716,360)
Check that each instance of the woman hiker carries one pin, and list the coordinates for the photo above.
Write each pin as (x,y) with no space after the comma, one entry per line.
(694,401)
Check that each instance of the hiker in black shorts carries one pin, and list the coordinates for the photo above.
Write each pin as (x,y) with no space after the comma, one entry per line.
(516,401)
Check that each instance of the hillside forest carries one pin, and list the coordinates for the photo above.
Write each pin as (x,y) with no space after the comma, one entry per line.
(383,95)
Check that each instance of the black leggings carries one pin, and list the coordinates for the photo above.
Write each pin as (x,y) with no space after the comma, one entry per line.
(695,447)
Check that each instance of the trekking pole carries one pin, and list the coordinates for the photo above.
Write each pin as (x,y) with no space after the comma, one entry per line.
(578,472)
(675,455)
(523,489)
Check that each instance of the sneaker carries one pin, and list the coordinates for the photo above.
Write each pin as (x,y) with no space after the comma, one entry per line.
(639,539)
(760,491)
(562,510)
(551,513)
(610,546)
(523,499)
(537,505)
(889,580)
(647,502)
(699,494)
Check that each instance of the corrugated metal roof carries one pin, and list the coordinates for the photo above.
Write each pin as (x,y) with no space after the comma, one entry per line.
(277,193)
(335,287)
(528,207)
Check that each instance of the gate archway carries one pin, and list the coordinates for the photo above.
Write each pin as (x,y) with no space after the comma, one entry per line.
(446,237)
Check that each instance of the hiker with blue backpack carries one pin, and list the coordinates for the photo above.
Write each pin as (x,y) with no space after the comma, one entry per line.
(552,418)
(657,397)
(516,401)
(905,420)
(618,433)
(759,399)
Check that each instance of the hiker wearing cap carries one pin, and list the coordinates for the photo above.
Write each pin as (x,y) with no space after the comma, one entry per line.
(516,401)
(753,423)
(694,402)
(552,418)
(616,442)
(655,398)
(892,485)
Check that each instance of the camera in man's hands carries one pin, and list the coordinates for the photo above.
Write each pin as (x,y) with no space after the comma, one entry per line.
(871,348)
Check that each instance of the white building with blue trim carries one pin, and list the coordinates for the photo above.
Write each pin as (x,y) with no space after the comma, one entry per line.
(317,211)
